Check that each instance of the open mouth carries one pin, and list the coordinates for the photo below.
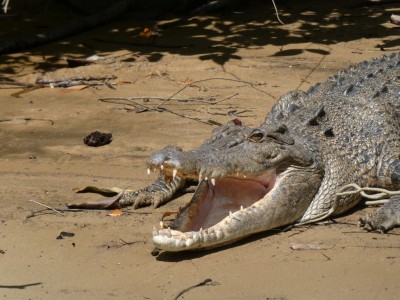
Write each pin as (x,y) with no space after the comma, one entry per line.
(218,213)
(217,199)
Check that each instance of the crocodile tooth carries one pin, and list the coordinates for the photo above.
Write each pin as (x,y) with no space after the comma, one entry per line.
(200,178)
(241,207)
(206,178)
(148,171)
(162,167)
(197,237)
(155,169)
(230,214)
(161,225)
(169,234)
(174,173)
(213,181)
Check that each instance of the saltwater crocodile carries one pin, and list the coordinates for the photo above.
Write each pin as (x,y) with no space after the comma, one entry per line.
(290,168)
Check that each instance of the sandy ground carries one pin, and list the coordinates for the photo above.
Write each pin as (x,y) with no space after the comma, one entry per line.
(44,159)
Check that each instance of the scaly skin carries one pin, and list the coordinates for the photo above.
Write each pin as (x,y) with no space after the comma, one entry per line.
(289,169)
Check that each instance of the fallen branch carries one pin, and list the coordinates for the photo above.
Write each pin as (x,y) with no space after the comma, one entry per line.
(75,81)
(81,79)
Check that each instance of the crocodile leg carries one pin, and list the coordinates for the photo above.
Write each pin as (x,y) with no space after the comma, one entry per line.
(385,218)
(161,191)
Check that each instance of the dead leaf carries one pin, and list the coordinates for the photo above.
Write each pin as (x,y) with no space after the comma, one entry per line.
(298,246)
(146,33)
(115,213)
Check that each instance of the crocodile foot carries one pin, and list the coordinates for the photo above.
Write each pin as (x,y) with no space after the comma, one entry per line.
(161,191)
(384,219)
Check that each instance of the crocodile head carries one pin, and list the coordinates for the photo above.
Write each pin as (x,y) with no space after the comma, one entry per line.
(250,180)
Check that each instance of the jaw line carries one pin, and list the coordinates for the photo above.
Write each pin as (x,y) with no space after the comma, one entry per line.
(189,234)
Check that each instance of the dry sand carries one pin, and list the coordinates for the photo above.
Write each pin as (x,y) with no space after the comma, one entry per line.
(110,257)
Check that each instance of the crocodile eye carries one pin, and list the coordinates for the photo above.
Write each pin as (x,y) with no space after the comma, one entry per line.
(256,136)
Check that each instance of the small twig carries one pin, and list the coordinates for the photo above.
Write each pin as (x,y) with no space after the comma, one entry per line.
(204,282)
(202,80)
(277,13)
(19,286)
(156,108)
(25,119)
(311,72)
(209,101)
(372,247)
(108,100)
(131,243)
(227,98)
(326,256)
(53,209)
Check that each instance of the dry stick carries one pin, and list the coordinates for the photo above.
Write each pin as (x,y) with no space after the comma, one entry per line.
(311,71)
(109,100)
(53,209)
(277,13)
(208,122)
(204,282)
(163,98)
(202,80)
(25,119)
(131,243)
(227,98)
(372,247)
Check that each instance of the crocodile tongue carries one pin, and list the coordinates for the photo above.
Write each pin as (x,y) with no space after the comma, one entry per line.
(211,203)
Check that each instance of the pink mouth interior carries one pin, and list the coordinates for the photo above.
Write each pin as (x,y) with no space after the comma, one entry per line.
(211,204)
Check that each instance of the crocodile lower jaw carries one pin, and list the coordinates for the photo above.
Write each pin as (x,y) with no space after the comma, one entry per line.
(220,212)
